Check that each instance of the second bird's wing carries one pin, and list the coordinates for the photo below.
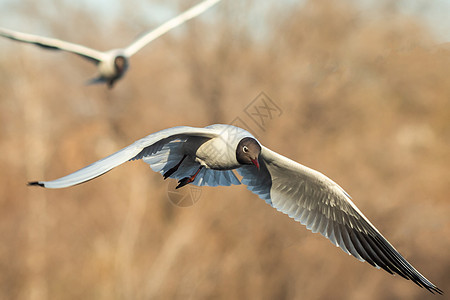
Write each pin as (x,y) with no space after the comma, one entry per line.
(172,23)
(53,44)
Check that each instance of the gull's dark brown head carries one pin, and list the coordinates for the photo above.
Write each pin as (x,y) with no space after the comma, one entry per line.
(247,152)
(121,64)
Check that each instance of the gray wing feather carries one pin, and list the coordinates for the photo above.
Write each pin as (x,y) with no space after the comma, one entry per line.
(145,146)
(172,23)
(164,155)
(210,177)
(323,206)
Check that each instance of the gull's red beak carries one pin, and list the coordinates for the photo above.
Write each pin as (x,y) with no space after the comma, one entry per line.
(256,163)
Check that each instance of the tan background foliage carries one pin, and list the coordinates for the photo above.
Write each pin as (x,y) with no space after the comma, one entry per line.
(365,100)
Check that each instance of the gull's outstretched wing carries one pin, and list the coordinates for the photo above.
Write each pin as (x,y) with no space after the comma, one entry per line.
(142,148)
(53,44)
(323,206)
(172,23)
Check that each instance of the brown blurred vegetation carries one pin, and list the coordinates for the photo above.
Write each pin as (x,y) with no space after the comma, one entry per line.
(365,100)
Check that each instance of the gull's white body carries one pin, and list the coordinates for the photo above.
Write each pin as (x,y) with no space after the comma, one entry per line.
(220,153)
(298,191)
(108,71)
(106,66)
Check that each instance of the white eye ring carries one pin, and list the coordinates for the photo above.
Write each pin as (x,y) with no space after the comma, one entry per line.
(245,149)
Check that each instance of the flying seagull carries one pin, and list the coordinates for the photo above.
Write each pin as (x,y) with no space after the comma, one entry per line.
(207,157)
(111,64)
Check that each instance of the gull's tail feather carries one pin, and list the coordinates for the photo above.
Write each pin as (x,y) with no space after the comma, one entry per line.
(96,80)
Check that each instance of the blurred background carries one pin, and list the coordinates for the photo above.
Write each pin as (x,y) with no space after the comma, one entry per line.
(364,94)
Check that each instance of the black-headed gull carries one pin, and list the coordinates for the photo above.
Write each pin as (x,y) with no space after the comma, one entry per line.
(111,64)
(207,156)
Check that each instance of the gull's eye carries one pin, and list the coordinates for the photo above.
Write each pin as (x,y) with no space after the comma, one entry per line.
(245,149)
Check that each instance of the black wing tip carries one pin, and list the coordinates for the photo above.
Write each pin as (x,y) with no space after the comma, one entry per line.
(434,289)
(32,183)
(395,263)
(48,47)
(427,285)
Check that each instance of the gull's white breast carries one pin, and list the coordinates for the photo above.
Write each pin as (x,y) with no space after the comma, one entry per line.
(220,153)
(107,67)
